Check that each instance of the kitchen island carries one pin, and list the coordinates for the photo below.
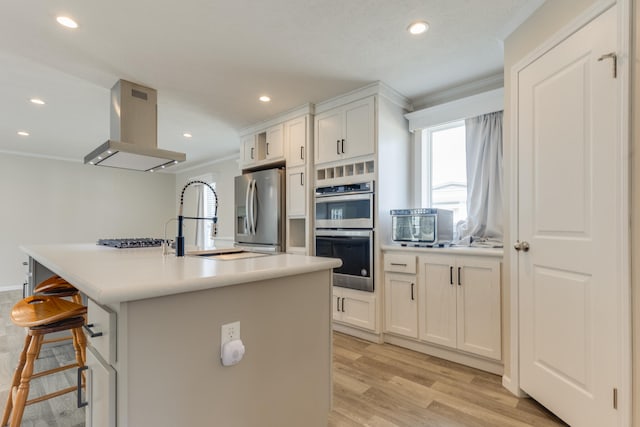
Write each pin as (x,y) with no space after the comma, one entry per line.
(157,361)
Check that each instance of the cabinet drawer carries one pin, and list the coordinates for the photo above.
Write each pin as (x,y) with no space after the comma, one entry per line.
(400,263)
(101,331)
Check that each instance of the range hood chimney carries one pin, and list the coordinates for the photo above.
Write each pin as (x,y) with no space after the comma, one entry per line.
(133,142)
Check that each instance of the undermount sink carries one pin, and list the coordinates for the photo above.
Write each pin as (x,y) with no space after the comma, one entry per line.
(226,254)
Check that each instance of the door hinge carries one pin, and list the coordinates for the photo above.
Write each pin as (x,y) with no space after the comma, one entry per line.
(611,55)
(615,398)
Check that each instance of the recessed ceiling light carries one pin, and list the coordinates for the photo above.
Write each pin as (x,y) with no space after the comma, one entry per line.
(418,27)
(23,133)
(187,135)
(37,101)
(264,98)
(67,22)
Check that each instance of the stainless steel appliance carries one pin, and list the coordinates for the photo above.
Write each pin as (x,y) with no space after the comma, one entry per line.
(259,210)
(133,142)
(345,206)
(131,242)
(422,227)
(344,229)
(355,249)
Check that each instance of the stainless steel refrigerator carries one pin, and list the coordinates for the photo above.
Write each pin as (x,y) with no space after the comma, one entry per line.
(259,210)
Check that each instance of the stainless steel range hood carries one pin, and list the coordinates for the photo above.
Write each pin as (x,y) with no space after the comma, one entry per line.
(133,142)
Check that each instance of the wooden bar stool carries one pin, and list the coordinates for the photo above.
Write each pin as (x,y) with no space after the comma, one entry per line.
(42,315)
(58,287)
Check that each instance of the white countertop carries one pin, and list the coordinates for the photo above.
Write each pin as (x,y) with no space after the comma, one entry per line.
(450,250)
(109,275)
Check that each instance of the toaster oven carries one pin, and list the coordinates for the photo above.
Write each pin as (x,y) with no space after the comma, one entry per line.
(422,227)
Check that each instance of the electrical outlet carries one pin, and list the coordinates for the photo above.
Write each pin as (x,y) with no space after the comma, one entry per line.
(230,332)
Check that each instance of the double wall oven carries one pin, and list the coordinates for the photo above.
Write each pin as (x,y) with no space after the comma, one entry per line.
(344,229)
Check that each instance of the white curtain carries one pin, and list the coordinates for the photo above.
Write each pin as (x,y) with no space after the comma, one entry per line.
(484,181)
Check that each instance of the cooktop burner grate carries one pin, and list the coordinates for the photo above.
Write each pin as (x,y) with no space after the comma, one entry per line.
(132,242)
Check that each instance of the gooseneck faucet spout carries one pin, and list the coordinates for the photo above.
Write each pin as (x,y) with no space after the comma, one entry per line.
(181,218)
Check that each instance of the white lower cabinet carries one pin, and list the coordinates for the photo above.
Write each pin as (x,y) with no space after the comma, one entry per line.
(459,305)
(400,295)
(100,375)
(100,391)
(354,308)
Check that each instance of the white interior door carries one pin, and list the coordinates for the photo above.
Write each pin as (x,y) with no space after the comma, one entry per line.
(568,211)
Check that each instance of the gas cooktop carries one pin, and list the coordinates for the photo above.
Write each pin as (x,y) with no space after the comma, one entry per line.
(131,242)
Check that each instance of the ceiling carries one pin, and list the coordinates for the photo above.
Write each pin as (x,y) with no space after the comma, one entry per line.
(210,60)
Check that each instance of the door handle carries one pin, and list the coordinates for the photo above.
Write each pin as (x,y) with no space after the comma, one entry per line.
(254,212)
(81,404)
(451,275)
(343,304)
(521,246)
(338,147)
(248,206)
(412,296)
(251,153)
(301,153)
(459,280)
(302,179)
(342,146)
(267,148)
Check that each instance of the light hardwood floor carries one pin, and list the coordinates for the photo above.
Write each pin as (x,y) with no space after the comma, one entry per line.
(374,385)
(385,385)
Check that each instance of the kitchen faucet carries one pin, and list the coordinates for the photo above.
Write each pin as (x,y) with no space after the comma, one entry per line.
(181,218)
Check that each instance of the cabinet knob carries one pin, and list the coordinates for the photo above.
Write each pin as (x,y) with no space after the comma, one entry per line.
(521,246)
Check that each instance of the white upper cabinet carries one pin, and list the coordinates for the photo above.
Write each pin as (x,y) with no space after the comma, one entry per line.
(249,154)
(295,134)
(296,192)
(274,145)
(345,132)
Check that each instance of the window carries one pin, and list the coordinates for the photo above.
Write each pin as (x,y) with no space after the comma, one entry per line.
(205,207)
(444,177)
(209,204)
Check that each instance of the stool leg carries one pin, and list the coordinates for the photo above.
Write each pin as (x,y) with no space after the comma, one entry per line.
(16,380)
(79,345)
(23,388)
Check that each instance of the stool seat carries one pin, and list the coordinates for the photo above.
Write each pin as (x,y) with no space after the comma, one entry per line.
(58,287)
(53,284)
(43,309)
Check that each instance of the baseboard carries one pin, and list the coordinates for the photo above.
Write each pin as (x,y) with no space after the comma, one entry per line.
(506,383)
(492,366)
(358,333)
(10,288)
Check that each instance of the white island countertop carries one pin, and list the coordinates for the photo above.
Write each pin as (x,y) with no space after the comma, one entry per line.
(109,275)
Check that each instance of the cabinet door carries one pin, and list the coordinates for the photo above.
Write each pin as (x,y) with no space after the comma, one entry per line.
(357,308)
(249,154)
(100,392)
(328,136)
(437,300)
(401,304)
(296,192)
(478,310)
(359,128)
(296,141)
(274,147)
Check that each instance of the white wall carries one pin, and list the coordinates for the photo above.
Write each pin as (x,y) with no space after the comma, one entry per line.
(223,172)
(54,201)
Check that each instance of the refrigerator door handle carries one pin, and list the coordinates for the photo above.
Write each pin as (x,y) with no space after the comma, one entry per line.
(247,207)
(254,209)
